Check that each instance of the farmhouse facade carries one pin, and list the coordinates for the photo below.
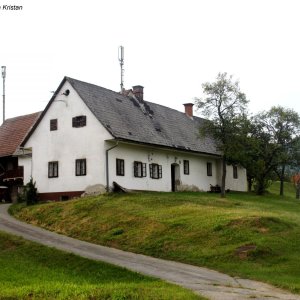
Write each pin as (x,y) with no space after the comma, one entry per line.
(88,135)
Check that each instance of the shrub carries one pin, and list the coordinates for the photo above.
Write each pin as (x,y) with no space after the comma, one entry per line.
(29,193)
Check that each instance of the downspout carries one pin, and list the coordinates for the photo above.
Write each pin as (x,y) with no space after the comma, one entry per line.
(107,168)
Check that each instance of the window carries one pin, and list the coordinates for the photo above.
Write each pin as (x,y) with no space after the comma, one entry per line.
(79,121)
(209,169)
(155,171)
(53,124)
(52,169)
(120,167)
(186,167)
(235,172)
(139,169)
(80,167)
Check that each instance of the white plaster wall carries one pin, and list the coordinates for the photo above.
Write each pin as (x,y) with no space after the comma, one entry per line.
(67,144)
(130,153)
(25,162)
(238,184)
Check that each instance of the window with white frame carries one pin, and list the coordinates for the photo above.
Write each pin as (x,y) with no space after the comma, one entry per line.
(120,171)
(52,169)
(186,167)
(209,169)
(235,172)
(155,171)
(80,167)
(139,169)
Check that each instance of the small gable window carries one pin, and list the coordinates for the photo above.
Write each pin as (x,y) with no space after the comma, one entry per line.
(53,124)
(186,167)
(52,169)
(79,121)
(155,171)
(139,169)
(120,167)
(209,169)
(235,172)
(80,167)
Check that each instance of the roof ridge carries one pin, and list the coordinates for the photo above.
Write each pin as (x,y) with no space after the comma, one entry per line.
(96,85)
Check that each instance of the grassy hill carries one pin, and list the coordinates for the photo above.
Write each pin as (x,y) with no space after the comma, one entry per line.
(31,271)
(244,235)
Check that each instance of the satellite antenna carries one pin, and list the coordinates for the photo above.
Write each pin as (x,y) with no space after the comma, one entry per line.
(121,60)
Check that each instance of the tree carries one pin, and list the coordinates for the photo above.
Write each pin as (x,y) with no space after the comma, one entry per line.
(225,106)
(279,126)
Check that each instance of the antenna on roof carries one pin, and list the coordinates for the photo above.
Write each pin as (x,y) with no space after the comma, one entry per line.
(121,60)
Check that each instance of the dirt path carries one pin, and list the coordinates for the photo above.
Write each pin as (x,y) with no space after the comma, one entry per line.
(209,283)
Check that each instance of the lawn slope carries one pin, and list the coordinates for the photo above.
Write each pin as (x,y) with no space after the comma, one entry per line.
(244,235)
(32,271)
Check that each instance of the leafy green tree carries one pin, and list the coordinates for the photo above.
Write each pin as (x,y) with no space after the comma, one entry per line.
(225,106)
(279,126)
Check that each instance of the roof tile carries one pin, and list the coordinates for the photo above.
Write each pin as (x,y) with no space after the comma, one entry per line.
(13,131)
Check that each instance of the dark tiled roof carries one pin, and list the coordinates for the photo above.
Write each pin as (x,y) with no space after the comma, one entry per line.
(143,122)
(13,132)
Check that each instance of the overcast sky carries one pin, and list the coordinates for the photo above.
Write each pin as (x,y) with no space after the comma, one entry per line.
(171,48)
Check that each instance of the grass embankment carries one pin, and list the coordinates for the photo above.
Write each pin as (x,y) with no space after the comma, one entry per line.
(32,271)
(244,235)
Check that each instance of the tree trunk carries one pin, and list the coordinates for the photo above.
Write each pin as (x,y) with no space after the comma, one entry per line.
(282,180)
(249,180)
(223,178)
(261,184)
(298,191)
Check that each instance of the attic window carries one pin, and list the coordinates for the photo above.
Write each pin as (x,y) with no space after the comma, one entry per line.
(129,132)
(119,100)
(53,124)
(79,121)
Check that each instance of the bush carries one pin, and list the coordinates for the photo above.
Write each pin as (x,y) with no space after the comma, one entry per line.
(29,193)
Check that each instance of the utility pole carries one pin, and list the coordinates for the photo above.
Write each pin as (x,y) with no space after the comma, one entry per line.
(3,69)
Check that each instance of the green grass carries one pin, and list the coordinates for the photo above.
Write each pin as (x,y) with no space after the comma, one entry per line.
(32,271)
(243,235)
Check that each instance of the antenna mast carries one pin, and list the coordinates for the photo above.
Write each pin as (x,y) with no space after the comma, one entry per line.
(3,69)
(121,60)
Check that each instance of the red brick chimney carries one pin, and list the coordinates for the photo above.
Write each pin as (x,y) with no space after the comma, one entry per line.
(189,109)
(138,92)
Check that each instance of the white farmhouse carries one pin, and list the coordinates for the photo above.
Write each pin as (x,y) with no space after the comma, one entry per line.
(88,135)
